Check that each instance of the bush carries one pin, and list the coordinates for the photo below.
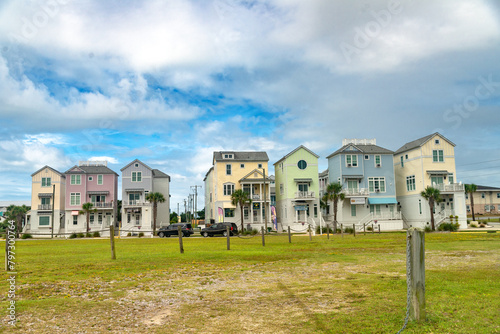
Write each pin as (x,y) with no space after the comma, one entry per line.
(129,234)
(452,227)
(88,235)
(141,234)
(482,225)
(428,229)
(250,232)
(73,236)
(96,234)
(369,228)
(27,236)
(330,229)
(80,235)
(473,225)
(348,230)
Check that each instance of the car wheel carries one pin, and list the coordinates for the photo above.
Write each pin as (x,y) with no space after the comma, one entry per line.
(225,233)
(161,234)
(205,234)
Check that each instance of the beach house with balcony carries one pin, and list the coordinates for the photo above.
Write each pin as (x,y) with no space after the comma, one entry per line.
(297,190)
(139,180)
(366,173)
(47,202)
(428,161)
(486,201)
(232,170)
(94,182)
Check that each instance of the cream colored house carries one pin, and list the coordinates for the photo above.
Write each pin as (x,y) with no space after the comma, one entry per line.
(47,202)
(428,161)
(238,170)
(486,201)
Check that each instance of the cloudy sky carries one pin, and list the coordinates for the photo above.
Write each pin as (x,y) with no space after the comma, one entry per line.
(171,81)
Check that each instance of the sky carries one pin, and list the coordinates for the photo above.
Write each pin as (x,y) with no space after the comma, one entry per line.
(169,82)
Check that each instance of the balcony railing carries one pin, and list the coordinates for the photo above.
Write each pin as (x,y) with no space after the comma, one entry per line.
(356,192)
(136,203)
(45,207)
(454,187)
(304,194)
(103,205)
(256,197)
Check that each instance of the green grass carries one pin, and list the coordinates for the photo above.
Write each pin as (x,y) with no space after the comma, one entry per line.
(342,285)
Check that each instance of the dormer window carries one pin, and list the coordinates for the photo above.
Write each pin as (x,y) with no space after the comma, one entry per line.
(228,156)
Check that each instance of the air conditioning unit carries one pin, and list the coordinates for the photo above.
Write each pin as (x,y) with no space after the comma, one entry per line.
(378,165)
(349,165)
(377,190)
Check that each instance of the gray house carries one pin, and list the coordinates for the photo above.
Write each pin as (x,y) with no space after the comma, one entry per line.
(138,180)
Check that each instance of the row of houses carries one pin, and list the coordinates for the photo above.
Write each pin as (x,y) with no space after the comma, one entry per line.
(57,198)
(380,186)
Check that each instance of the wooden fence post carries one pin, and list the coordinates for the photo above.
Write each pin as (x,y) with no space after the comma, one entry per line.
(263,236)
(417,273)
(342,230)
(289,235)
(181,246)
(112,240)
(310,233)
(379,229)
(327,232)
(354,229)
(364,228)
(228,236)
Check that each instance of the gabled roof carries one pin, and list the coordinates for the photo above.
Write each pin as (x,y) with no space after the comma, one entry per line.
(91,170)
(252,173)
(52,169)
(419,142)
(323,173)
(159,174)
(206,175)
(487,188)
(242,156)
(369,149)
(298,148)
(136,160)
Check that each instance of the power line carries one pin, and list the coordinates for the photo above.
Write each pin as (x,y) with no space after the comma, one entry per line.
(477,163)
(473,170)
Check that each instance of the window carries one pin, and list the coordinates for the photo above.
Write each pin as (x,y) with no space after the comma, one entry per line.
(376,184)
(353,210)
(99,218)
(245,213)
(281,189)
(303,187)
(410,183)
(468,207)
(242,166)
(352,185)
(228,213)
(99,179)
(133,197)
(210,197)
(436,141)
(44,221)
(437,156)
(76,179)
(246,188)
(98,199)
(483,195)
(315,210)
(45,200)
(498,195)
(435,180)
(90,178)
(75,220)
(91,218)
(136,165)
(466,196)
(75,198)
(137,219)
(46,181)
(420,205)
(259,165)
(351,160)
(228,189)
(402,163)
(228,169)
(302,164)
(375,208)
(228,156)
(136,176)
(450,178)
(367,157)
(406,156)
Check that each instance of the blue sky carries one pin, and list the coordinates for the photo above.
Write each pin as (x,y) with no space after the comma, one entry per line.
(169,82)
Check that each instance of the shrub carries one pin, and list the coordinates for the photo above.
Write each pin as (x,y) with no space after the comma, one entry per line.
(27,236)
(482,225)
(452,227)
(73,236)
(348,230)
(141,234)
(318,230)
(369,228)
(473,225)
(96,234)
(428,229)
(80,235)
(88,235)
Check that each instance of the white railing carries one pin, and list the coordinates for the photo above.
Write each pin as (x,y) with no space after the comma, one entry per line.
(102,204)
(382,216)
(136,203)
(439,218)
(454,187)
(304,194)
(356,192)
(256,197)
(366,219)
(45,207)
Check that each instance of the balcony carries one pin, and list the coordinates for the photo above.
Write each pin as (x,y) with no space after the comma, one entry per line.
(103,205)
(304,194)
(355,192)
(256,197)
(135,203)
(449,188)
(45,207)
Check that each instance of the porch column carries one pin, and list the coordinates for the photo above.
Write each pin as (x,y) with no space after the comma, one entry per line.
(296,215)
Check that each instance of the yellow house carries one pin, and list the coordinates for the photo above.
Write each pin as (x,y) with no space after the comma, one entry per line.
(486,201)
(47,202)
(238,170)
(428,161)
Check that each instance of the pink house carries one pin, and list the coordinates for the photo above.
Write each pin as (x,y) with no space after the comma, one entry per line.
(94,182)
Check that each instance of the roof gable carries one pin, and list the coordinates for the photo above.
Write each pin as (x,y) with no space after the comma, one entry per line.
(240,156)
(52,169)
(361,148)
(301,147)
(136,161)
(420,142)
(251,176)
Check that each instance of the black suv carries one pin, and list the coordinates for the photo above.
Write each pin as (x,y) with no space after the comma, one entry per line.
(219,228)
(167,231)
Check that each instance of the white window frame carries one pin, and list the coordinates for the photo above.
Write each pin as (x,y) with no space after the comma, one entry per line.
(100,179)
(379,163)
(47,218)
(136,177)
(228,189)
(282,189)
(46,181)
(75,199)
(410,183)
(76,179)
(228,169)
(438,156)
(353,158)
(75,220)
(372,182)
(242,165)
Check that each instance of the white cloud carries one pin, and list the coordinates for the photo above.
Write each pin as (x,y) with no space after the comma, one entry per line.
(104,158)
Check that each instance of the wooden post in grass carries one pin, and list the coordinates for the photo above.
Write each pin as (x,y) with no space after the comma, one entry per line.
(289,235)
(364,228)
(379,229)
(417,273)
(112,240)
(373,228)
(179,231)
(228,235)
(342,230)
(6,250)
(327,232)
(354,229)
(310,233)
(263,236)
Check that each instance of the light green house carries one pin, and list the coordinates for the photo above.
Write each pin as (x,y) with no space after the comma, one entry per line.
(297,190)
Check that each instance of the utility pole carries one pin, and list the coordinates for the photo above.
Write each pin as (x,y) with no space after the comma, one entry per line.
(195,199)
(185,210)
(53,208)
(265,200)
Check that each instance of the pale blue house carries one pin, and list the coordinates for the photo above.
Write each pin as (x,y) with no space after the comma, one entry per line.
(366,172)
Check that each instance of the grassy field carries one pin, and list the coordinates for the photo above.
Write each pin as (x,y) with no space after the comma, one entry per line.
(342,285)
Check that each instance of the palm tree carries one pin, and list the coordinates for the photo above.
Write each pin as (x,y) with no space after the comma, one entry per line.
(17,214)
(334,193)
(87,209)
(433,196)
(155,198)
(241,198)
(470,189)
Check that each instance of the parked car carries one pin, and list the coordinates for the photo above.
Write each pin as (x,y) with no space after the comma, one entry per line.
(172,229)
(219,228)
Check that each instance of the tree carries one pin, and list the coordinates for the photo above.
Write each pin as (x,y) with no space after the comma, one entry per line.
(87,209)
(433,196)
(17,213)
(241,198)
(334,193)
(471,189)
(155,198)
